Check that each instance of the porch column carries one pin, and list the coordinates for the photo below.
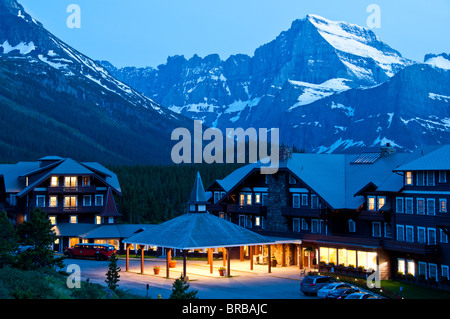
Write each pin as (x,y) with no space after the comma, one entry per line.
(251,256)
(184,262)
(224,256)
(269,259)
(168,258)
(228,262)
(241,253)
(210,259)
(128,256)
(142,258)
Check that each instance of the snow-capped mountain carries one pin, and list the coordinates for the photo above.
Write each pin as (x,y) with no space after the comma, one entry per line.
(329,86)
(69,104)
(282,85)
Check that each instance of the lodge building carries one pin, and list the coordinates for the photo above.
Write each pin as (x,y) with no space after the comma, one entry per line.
(382,210)
(77,197)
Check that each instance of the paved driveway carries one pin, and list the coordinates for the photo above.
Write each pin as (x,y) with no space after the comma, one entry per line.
(282,283)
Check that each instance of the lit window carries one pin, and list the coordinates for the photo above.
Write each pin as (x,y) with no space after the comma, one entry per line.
(53,201)
(381,202)
(52,220)
(54,181)
(70,201)
(70,181)
(411,267)
(257,221)
(249,199)
(408,180)
(371,203)
(257,198)
(98,219)
(442,205)
(242,199)
(73,219)
(86,181)
(401,266)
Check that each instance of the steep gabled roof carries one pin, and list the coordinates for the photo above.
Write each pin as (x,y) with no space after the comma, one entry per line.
(429,158)
(110,209)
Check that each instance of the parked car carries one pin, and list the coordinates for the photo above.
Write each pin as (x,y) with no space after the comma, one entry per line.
(361,295)
(311,284)
(323,292)
(97,251)
(341,293)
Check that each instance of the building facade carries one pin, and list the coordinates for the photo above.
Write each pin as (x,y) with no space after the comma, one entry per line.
(384,211)
(77,197)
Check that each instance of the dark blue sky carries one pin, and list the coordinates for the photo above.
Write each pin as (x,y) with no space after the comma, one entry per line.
(146,32)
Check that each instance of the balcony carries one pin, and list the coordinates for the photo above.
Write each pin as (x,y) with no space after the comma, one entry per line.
(302,212)
(71,209)
(71,189)
(415,248)
(247,209)
(374,215)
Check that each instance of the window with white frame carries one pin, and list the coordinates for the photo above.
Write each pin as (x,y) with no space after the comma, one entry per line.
(304,199)
(98,219)
(443,238)
(296,200)
(371,203)
(86,181)
(421,235)
(40,200)
(422,269)
(442,205)
(248,199)
(257,221)
(399,203)
(420,206)
(323,227)
(444,271)
(242,199)
(87,200)
(54,181)
(400,232)
(420,178)
(242,220)
(351,226)
(442,176)
(401,265)
(296,224)
(409,234)
(257,198)
(387,230)
(376,229)
(408,205)
(411,267)
(314,226)
(70,181)
(98,200)
(431,206)
(430,178)
(433,271)
(431,236)
(304,224)
(70,201)
(314,201)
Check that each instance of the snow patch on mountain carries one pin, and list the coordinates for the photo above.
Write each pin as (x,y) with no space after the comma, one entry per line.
(439,62)
(22,47)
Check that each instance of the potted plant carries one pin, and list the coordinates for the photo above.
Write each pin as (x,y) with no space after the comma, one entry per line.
(222,271)
(172,263)
(156,270)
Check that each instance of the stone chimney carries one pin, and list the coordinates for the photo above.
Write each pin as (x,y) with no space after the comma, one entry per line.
(387,150)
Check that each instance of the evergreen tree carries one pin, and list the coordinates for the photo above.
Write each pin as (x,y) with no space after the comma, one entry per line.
(38,234)
(179,290)
(112,276)
(8,241)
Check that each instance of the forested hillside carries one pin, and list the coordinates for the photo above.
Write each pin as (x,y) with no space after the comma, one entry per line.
(154,193)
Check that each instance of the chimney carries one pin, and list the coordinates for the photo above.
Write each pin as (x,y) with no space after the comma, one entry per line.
(285,152)
(387,150)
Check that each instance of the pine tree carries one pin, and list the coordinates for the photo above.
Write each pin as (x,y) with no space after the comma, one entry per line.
(179,290)
(8,241)
(112,276)
(39,235)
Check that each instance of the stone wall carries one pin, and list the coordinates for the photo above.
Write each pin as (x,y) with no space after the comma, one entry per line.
(276,199)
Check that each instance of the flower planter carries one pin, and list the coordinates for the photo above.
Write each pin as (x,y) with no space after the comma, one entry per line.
(156,271)
(172,264)
(222,272)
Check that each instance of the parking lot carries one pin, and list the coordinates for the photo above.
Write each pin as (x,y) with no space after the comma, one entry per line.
(281,283)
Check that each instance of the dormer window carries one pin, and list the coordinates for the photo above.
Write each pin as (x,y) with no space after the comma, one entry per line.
(408,180)
(54,181)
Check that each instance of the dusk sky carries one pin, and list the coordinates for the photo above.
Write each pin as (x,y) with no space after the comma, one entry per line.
(145,32)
